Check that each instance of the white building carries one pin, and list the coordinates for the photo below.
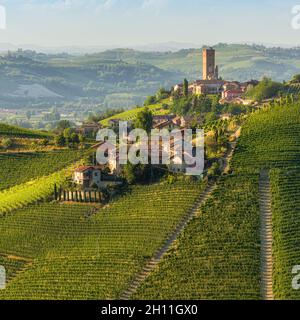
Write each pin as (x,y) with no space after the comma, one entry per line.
(87,176)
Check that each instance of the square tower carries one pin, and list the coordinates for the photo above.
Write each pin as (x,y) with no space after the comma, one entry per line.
(209,64)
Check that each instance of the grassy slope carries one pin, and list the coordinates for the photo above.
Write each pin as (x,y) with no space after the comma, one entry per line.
(75,256)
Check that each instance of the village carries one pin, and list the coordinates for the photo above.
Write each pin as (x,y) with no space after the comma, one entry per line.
(97,177)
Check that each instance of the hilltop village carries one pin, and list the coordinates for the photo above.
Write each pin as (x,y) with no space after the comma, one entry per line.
(211,103)
(211,83)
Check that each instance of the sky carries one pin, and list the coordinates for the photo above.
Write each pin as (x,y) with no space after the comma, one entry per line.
(137,22)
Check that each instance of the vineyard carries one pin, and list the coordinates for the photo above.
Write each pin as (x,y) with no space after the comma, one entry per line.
(218,255)
(12,266)
(22,167)
(157,109)
(77,254)
(79,251)
(13,131)
(286,231)
(270,139)
(29,192)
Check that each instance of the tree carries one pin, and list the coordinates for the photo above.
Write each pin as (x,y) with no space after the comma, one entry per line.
(67,133)
(296,79)
(139,173)
(60,140)
(81,138)
(162,94)
(210,117)
(214,170)
(74,138)
(185,88)
(144,120)
(129,173)
(63,124)
(265,89)
(150,100)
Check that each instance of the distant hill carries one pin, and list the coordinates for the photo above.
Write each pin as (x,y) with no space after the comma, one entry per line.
(236,62)
(27,78)
(124,77)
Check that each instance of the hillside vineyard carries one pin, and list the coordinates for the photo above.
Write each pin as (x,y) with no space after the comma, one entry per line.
(218,255)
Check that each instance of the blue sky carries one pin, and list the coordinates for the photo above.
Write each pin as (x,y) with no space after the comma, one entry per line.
(134,22)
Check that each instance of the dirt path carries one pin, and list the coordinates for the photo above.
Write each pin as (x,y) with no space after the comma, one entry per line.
(265,204)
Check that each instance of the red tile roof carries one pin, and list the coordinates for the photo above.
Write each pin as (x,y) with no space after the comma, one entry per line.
(85,168)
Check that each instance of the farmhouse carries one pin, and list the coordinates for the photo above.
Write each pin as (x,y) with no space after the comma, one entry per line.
(87,176)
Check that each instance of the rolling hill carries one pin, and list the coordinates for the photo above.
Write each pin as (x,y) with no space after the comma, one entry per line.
(124,77)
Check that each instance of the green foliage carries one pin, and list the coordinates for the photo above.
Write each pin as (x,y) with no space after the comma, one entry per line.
(214,170)
(12,131)
(144,120)
(185,88)
(18,168)
(7,143)
(141,173)
(296,79)
(12,266)
(60,140)
(30,192)
(211,116)
(218,255)
(130,115)
(194,105)
(63,125)
(286,231)
(150,100)
(82,253)
(270,139)
(265,89)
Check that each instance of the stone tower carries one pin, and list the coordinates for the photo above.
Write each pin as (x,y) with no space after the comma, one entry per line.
(210,70)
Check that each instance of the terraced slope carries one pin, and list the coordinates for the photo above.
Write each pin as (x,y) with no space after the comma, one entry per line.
(78,256)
